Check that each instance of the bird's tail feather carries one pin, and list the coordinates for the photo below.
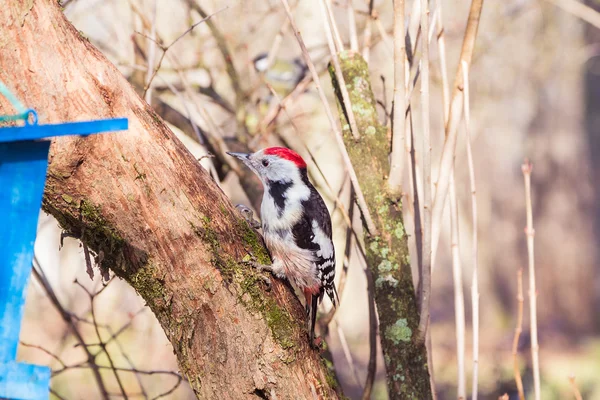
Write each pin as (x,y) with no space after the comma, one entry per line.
(333,295)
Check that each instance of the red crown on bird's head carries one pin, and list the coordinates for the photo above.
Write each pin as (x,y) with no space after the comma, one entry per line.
(286,154)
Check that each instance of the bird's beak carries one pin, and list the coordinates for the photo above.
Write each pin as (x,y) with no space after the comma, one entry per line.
(241,156)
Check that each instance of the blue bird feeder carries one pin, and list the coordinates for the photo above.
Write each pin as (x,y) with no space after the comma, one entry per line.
(23,164)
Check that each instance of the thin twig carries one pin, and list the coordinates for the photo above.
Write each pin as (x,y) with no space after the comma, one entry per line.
(48,352)
(385,38)
(128,359)
(518,330)
(41,277)
(373,324)
(426,286)
(399,104)
(277,43)
(459,301)
(102,344)
(367,33)
(339,45)
(347,354)
(166,48)
(338,72)
(580,10)
(474,280)
(352,26)
(151,57)
(456,107)
(337,133)
(530,233)
(56,394)
(574,388)
(227,57)
(443,66)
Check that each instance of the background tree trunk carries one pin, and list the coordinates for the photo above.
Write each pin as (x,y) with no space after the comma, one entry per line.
(156,218)
(387,252)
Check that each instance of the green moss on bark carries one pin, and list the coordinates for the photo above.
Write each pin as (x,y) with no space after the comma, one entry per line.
(251,293)
(387,253)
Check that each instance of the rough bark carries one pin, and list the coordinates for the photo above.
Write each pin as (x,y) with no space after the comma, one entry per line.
(155,218)
(387,253)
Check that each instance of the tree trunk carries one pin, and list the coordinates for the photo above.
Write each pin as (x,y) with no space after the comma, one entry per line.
(155,217)
(387,253)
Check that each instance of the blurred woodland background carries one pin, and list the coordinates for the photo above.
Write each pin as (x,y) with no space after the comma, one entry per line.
(535,93)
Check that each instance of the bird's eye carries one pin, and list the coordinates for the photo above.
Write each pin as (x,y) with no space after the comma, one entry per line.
(265,163)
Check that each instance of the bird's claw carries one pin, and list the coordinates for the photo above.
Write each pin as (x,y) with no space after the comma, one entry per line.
(318,344)
(248,215)
(250,260)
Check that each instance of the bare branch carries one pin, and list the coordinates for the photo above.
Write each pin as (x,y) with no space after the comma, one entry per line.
(367,40)
(530,233)
(579,10)
(576,392)
(518,330)
(166,48)
(459,301)
(399,102)
(372,366)
(150,73)
(41,277)
(339,45)
(455,112)
(352,26)
(426,277)
(474,280)
(327,23)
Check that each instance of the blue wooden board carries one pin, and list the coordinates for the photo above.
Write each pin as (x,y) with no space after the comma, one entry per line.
(22,178)
(24,381)
(23,164)
(35,132)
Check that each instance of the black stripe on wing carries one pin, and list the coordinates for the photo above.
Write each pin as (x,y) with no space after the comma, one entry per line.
(316,210)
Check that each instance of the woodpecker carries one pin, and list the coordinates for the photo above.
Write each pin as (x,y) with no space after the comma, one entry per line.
(296,226)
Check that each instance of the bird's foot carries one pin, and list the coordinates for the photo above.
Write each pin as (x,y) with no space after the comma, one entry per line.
(248,215)
(251,261)
(318,343)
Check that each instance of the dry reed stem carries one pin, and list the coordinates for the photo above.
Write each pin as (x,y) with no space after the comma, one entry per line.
(443,65)
(347,354)
(399,102)
(475,244)
(454,116)
(579,10)
(360,198)
(413,30)
(367,33)
(339,45)
(426,256)
(459,298)
(277,43)
(530,233)
(327,22)
(352,26)
(151,56)
(518,330)
(373,325)
(574,388)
